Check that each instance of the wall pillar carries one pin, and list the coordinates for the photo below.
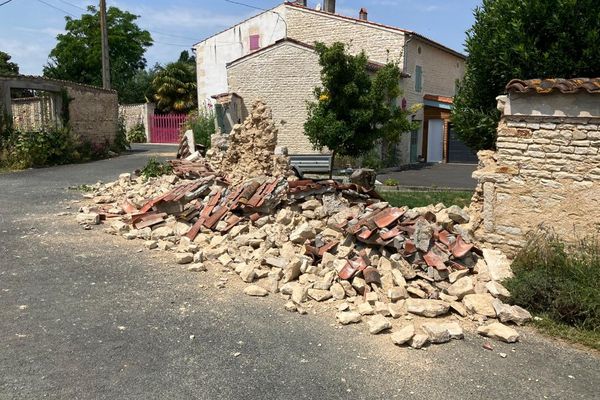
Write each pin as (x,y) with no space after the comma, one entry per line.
(148,113)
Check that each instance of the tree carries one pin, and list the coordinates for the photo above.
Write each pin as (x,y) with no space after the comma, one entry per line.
(522,39)
(6,66)
(174,87)
(352,110)
(139,88)
(77,55)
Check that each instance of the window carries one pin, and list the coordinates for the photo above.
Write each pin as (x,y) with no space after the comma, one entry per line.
(418,79)
(254,42)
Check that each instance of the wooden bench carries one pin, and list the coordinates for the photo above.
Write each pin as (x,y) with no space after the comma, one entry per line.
(314,163)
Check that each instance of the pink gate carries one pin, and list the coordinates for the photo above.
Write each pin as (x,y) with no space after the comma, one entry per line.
(166,128)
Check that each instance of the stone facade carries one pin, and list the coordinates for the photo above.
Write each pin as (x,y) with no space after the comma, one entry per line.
(381,44)
(284,76)
(441,66)
(544,174)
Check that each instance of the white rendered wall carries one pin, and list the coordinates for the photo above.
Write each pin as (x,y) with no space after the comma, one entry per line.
(213,54)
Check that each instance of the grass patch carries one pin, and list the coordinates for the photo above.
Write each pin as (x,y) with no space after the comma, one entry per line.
(559,282)
(572,334)
(421,199)
(82,188)
(155,168)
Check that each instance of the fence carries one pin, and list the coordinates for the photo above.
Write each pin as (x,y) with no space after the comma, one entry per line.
(166,128)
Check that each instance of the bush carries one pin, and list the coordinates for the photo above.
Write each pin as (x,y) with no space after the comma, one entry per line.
(391,182)
(155,168)
(202,123)
(559,280)
(137,134)
(49,146)
(120,144)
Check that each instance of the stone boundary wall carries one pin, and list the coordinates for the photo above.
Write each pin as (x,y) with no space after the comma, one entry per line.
(134,114)
(32,113)
(93,111)
(544,174)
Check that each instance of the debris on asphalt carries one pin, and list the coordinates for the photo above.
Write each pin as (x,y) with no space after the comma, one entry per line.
(318,243)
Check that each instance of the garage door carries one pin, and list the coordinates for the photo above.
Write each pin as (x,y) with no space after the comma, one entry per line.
(458,152)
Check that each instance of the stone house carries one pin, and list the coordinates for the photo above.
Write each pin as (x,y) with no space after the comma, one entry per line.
(271,56)
(546,170)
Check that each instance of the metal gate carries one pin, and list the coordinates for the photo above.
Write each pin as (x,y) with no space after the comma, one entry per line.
(166,128)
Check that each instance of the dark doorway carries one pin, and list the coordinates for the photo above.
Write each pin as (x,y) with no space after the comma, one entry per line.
(458,152)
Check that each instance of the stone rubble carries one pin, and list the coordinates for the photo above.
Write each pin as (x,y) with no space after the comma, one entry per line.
(318,245)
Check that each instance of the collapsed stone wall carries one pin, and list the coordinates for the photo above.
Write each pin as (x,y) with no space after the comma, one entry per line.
(544,174)
(250,148)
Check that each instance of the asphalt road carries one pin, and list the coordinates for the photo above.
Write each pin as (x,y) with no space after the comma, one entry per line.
(86,315)
(453,176)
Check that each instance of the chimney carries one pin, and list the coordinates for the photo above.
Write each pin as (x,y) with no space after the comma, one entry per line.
(329,6)
(362,15)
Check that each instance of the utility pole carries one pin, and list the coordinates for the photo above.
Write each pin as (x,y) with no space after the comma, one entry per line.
(104,35)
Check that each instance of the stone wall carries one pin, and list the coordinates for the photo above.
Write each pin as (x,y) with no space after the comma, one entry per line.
(134,114)
(545,173)
(284,76)
(381,44)
(32,113)
(93,112)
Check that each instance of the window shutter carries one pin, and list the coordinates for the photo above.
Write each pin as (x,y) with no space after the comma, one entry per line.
(254,42)
(418,79)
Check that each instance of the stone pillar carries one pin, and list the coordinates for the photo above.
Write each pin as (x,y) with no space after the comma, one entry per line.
(147,114)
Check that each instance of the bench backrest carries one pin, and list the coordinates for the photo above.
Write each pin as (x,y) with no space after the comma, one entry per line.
(312,162)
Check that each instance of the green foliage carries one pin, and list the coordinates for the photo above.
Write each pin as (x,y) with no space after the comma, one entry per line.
(49,146)
(77,55)
(82,188)
(155,168)
(174,87)
(391,182)
(558,280)
(137,134)
(138,89)
(120,144)
(372,160)
(522,39)
(202,123)
(422,199)
(353,111)
(7,67)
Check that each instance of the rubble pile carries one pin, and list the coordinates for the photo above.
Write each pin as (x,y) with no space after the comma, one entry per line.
(415,273)
(251,149)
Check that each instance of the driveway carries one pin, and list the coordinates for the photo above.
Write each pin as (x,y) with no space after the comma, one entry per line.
(449,176)
(86,315)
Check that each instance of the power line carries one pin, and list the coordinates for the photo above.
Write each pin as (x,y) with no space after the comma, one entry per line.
(173,44)
(57,8)
(6,2)
(73,5)
(245,5)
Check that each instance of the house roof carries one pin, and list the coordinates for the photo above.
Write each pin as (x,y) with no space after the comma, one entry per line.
(371,65)
(356,20)
(546,86)
(440,99)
